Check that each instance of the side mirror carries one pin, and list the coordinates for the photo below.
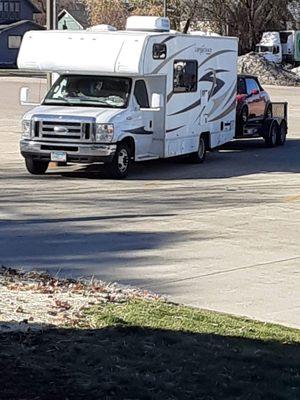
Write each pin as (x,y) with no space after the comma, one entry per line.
(255,91)
(24,97)
(157,100)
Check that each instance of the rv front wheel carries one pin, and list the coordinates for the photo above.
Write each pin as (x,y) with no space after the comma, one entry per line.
(199,156)
(120,164)
(36,167)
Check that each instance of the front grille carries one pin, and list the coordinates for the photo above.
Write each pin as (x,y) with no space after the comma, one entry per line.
(57,147)
(61,131)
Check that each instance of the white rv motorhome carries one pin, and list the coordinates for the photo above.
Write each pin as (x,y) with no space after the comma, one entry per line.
(139,94)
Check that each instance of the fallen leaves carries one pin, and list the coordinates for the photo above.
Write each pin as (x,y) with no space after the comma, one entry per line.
(45,299)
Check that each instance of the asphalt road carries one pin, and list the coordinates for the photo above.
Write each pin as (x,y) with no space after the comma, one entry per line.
(224,235)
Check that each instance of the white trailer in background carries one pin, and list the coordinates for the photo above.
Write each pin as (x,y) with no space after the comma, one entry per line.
(278,47)
(139,94)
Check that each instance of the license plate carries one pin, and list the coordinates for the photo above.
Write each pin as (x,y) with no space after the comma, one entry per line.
(59,156)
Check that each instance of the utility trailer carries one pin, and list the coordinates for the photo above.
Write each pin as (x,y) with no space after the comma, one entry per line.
(273,129)
(280,47)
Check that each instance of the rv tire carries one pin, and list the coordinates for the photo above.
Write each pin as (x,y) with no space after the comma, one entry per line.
(199,156)
(36,167)
(119,167)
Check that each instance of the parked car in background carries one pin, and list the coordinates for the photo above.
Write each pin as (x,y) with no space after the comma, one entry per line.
(252,100)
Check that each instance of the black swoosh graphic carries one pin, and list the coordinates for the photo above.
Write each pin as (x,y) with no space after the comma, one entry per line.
(170,95)
(160,66)
(175,129)
(216,55)
(226,112)
(197,103)
(139,131)
(167,39)
(217,83)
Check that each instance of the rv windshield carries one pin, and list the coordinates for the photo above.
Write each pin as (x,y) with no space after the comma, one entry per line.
(89,91)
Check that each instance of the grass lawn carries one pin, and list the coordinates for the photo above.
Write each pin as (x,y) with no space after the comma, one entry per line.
(152,350)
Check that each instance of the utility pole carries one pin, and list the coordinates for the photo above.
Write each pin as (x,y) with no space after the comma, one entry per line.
(51,14)
(165,8)
(51,25)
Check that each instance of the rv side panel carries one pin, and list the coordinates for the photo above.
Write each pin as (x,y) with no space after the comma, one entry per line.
(201,76)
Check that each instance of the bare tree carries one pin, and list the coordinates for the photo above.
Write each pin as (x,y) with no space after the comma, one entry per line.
(247,19)
(61,4)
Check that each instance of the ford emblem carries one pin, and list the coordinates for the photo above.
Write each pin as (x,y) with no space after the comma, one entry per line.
(60,129)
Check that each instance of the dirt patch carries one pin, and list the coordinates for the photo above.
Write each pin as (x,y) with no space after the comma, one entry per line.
(37,299)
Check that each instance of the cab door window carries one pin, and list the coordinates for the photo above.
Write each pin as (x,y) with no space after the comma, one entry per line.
(141,94)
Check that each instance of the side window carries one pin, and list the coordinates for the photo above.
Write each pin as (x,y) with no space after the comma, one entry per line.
(185,76)
(241,87)
(159,51)
(141,94)
(251,85)
(14,42)
(276,50)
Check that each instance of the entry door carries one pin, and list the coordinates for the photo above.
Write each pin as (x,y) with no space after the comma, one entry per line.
(157,84)
(144,132)
(152,132)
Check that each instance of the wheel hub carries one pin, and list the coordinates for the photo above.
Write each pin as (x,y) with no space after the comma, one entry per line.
(123,160)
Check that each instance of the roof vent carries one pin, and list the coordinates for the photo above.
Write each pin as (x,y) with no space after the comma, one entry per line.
(102,28)
(148,24)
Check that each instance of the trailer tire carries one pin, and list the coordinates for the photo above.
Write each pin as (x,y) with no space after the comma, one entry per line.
(272,134)
(281,135)
(36,167)
(242,121)
(199,156)
(119,167)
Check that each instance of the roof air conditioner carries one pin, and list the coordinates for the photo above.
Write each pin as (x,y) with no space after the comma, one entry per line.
(148,24)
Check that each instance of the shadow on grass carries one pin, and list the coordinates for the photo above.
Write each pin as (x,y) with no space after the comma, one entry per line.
(142,363)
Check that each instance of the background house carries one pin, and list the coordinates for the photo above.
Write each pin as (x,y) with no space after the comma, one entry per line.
(73,19)
(16,18)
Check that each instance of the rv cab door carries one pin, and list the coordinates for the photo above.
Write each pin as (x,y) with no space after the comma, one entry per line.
(151,119)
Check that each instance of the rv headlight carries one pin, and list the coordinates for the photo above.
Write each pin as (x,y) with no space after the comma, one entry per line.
(26,128)
(104,132)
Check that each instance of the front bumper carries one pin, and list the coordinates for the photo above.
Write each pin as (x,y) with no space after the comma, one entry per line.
(76,152)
